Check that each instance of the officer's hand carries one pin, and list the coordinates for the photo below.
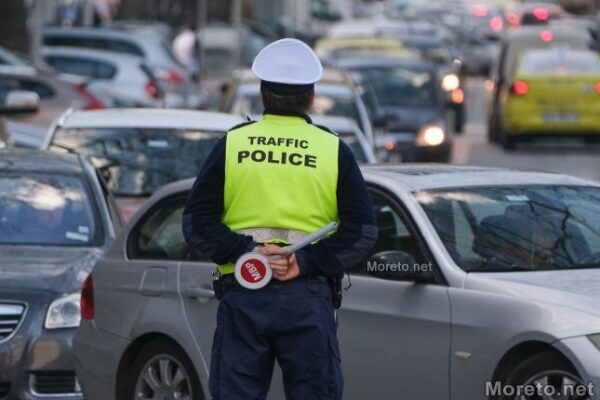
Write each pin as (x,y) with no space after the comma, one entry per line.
(279,266)
(293,270)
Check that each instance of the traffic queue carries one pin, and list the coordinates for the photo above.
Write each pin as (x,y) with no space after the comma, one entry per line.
(471,282)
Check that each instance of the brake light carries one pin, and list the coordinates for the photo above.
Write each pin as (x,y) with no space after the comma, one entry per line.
(152,90)
(598,87)
(541,14)
(458,96)
(87,304)
(479,10)
(546,36)
(512,18)
(93,103)
(519,88)
(497,24)
(168,75)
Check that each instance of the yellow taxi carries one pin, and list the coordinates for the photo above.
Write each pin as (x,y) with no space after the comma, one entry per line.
(554,92)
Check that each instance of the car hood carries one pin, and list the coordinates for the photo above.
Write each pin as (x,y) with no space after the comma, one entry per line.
(575,292)
(56,269)
(410,119)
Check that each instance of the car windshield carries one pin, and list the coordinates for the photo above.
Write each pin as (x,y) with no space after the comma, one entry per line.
(46,209)
(560,63)
(137,161)
(403,87)
(529,228)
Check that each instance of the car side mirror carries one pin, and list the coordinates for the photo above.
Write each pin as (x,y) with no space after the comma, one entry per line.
(399,266)
(383,120)
(20,102)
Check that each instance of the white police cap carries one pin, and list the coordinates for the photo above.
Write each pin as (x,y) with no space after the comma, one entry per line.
(289,62)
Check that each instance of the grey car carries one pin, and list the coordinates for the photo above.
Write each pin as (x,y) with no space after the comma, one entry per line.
(478,275)
(56,219)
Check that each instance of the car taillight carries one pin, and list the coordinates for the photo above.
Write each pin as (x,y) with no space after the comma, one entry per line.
(458,96)
(496,24)
(598,87)
(168,75)
(546,36)
(93,103)
(541,14)
(87,305)
(152,89)
(519,88)
(512,18)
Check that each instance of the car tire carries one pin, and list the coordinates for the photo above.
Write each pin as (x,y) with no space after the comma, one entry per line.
(548,365)
(508,143)
(459,121)
(155,355)
(492,128)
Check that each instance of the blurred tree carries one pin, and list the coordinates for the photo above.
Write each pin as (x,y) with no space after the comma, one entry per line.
(13,26)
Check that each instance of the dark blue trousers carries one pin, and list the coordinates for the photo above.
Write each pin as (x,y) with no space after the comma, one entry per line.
(292,322)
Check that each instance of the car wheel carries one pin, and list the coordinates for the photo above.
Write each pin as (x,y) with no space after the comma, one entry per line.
(547,368)
(459,121)
(162,371)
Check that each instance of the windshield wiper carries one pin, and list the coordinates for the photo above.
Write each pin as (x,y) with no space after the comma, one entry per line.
(512,268)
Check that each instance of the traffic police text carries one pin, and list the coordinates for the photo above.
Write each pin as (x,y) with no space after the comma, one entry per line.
(278,157)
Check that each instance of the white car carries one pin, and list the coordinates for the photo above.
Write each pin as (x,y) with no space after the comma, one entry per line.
(351,134)
(123,77)
(139,150)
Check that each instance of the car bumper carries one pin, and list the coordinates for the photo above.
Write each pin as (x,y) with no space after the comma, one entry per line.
(585,357)
(36,363)
(96,356)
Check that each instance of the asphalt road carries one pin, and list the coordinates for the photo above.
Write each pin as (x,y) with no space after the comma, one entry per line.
(568,157)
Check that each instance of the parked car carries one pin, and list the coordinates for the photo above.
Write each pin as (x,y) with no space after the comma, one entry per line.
(56,219)
(139,150)
(335,94)
(513,45)
(151,47)
(507,292)
(351,134)
(554,93)
(56,93)
(120,76)
(408,108)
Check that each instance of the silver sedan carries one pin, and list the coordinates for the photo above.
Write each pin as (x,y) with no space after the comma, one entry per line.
(483,284)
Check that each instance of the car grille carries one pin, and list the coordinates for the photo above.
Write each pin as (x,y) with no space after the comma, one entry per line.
(10,317)
(4,388)
(54,382)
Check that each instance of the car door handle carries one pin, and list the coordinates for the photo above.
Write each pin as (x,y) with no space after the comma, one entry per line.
(199,292)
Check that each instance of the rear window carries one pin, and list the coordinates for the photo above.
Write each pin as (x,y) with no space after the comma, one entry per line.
(564,63)
(117,45)
(82,67)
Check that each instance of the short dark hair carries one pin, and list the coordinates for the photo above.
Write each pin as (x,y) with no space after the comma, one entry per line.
(293,103)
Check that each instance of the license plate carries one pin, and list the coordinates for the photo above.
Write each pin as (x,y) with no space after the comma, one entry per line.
(561,117)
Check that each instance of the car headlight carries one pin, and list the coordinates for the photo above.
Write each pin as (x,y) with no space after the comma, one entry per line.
(595,339)
(430,135)
(64,312)
(450,82)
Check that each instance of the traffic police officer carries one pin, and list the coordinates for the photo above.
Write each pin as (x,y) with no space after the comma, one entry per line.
(265,185)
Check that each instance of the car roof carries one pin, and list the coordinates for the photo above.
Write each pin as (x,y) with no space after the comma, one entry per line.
(149,118)
(112,56)
(97,32)
(416,177)
(534,31)
(29,160)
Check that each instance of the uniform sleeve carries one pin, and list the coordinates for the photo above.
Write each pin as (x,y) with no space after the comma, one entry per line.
(202,226)
(357,230)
